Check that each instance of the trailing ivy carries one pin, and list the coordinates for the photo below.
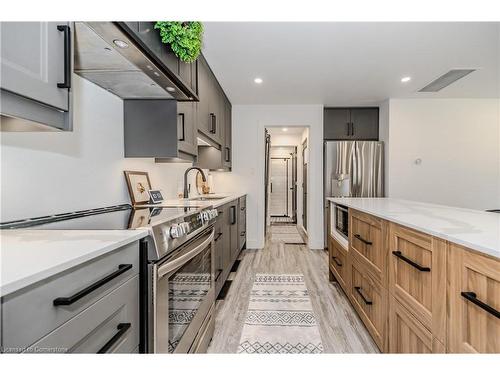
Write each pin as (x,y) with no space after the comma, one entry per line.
(185,38)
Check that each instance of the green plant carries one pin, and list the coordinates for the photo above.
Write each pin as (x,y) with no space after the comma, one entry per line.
(184,38)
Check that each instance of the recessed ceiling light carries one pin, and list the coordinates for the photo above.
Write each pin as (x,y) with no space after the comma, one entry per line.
(170,89)
(120,43)
(285,129)
(258,80)
(405,79)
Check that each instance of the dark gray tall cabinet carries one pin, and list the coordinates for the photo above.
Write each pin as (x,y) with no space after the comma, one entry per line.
(36,64)
(351,123)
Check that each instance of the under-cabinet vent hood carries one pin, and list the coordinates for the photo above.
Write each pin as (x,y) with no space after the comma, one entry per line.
(107,55)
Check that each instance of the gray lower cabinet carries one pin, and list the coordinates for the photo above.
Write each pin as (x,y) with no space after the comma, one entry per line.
(351,123)
(242,222)
(89,308)
(36,62)
(231,222)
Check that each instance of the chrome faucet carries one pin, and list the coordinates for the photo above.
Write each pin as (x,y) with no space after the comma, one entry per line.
(186,191)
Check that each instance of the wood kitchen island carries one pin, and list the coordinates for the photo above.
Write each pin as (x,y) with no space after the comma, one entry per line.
(423,278)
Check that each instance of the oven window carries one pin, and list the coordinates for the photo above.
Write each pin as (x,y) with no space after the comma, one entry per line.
(188,287)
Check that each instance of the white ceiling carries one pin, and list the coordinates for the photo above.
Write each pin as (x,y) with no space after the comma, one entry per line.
(350,63)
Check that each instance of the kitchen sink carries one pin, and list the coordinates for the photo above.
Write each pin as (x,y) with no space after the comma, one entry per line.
(206,198)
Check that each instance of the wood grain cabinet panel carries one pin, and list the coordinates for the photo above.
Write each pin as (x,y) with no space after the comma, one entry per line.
(338,260)
(369,299)
(417,276)
(407,334)
(474,302)
(367,243)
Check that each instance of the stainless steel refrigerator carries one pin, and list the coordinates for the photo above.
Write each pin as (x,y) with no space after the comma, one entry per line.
(353,169)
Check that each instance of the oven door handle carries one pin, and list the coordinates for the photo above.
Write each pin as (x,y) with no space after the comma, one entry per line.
(170,266)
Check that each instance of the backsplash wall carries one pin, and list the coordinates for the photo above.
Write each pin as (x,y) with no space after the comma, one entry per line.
(46,173)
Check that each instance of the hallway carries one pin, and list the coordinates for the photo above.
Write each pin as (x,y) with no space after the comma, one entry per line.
(340,328)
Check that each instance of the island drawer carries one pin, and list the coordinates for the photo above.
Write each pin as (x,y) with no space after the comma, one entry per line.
(33,312)
(367,242)
(338,263)
(111,325)
(417,276)
(369,299)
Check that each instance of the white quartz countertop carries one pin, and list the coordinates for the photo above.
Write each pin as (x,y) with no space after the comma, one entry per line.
(28,256)
(474,229)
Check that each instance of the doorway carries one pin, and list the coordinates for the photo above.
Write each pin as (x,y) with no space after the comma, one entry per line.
(283,185)
(305,161)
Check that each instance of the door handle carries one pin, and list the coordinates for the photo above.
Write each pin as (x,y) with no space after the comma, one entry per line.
(472,297)
(400,255)
(219,272)
(122,329)
(66,84)
(182,120)
(67,301)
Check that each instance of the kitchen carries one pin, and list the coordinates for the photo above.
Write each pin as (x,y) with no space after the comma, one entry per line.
(137,192)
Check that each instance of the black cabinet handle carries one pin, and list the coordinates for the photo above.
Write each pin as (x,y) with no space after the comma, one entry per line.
(67,57)
(183,132)
(410,262)
(122,329)
(348,124)
(472,297)
(366,301)
(242,233)
(352,128)
(335,259)
(213,123)
(271,187)
(363,240)
(233,215)
(66,301)
(218,236)
(219,272)
(228,154)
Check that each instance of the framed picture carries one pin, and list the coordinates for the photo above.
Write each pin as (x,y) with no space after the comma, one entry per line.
(138,186)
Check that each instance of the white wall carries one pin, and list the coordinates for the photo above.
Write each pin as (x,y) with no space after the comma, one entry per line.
(384,136)
(249,122)
(458,142)
(45,173)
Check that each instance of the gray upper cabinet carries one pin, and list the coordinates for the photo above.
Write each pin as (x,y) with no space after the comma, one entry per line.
(204,89)
(187,129)
(36,64)
(351,123)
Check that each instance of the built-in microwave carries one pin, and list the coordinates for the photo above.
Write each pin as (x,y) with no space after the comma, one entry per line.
(342,220)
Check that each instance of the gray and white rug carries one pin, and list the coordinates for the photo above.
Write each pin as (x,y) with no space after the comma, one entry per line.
(280,319)
(286,233)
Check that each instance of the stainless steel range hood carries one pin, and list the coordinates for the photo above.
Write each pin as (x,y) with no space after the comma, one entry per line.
(108,56)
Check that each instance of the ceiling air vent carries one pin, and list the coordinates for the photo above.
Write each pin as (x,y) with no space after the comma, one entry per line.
(446,80)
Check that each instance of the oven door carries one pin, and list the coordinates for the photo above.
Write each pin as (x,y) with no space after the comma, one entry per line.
(183,295)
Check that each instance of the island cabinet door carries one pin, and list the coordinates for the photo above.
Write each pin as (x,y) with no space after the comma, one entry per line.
(417,276)
(474,299)
(367,241)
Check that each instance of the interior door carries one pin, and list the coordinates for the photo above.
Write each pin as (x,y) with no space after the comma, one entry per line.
(304,183)
(279,187)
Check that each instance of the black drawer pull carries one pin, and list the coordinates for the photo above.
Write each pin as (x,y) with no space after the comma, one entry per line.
(233,215)
(366,301)
(66,301)
(363,240)
(410,262)
(242,233)
(335,259)
(218,236)
(472,297)
(219,272)
(66,84)
(122,329)
(242,208)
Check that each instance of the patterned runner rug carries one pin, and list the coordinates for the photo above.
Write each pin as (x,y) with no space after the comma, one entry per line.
(280,317)
(287,234)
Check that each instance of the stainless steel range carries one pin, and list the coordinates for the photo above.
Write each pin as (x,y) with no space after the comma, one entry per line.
(177,269)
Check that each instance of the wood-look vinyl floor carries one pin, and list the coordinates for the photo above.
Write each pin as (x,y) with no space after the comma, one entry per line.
(340,328)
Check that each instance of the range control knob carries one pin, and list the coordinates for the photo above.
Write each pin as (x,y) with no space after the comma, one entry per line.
(186,227)
(176,231)
(205,216)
